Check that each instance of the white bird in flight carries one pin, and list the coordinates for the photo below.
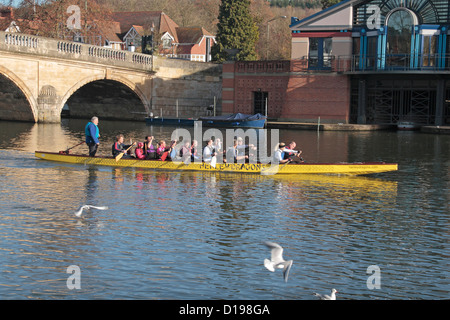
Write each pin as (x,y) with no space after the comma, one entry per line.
(276,259)
(327,297)
(87,207)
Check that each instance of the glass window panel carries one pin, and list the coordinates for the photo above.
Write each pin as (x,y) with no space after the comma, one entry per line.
(327,49)
(371,51)
(313,52)
(429,50)
(320,53)
(398,47)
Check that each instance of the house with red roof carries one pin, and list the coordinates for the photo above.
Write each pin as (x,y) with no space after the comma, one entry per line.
(145,30)
(142,31)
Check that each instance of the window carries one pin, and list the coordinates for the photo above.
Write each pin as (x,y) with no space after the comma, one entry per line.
(429,51)
(447,56)
(167,43)
(371,62)
(259,101)
(320,53)
(400,23)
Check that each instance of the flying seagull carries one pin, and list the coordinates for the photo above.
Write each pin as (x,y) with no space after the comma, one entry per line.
(327,297)
(87,207)
(276,259)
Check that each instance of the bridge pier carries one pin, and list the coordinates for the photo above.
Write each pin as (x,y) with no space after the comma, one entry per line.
(48,106)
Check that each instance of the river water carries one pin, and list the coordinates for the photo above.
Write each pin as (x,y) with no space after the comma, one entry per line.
(172,235)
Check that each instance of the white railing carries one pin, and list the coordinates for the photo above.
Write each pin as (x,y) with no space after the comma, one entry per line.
(23,43)
(69,47)
(21,40)
(107,53)
(142,58)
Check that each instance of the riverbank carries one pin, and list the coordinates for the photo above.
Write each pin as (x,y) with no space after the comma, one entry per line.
(348,127)
(436,129)
(328,126)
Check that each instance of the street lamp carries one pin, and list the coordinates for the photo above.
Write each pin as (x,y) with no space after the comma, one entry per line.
(267,46)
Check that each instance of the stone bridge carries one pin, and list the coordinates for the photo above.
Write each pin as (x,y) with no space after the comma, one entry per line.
(39,76)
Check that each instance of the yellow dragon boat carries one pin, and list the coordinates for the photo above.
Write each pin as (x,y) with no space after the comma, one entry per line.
(357,168)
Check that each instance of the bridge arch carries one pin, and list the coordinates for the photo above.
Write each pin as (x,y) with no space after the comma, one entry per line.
(119,84)
(27,93)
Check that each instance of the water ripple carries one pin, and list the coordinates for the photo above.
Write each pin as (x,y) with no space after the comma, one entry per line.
(171,235)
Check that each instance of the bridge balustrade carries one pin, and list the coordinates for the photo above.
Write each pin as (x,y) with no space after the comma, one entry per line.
(21,40)
(23,43)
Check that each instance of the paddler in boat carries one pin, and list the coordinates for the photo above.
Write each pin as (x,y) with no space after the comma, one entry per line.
(233,155)
(162,151)
(279,154)
(173,151)
(218,148)
(139,151)
(149,149)
(194,155)
(290,153)
(209,151)
(118,147)
(185,152)
(244,149)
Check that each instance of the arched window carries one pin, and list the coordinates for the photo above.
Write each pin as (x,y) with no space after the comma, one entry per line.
(400,23)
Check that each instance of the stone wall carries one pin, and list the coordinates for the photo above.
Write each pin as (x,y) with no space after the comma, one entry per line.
(187,86)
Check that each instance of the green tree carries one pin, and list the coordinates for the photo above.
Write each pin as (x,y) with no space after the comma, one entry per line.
(236,30)
(329,3)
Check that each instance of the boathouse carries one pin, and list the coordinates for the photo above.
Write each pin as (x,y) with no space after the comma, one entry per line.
(359,61)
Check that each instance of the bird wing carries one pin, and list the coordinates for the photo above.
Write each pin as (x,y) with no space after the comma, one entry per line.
(269,265)
(80,210)
(97,207)
(323,296)
(276,251)
(287,268)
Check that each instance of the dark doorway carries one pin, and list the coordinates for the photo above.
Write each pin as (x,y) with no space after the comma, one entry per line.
(259,101)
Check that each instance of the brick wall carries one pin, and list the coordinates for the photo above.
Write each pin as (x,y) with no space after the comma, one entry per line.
(294,93)
(314,95)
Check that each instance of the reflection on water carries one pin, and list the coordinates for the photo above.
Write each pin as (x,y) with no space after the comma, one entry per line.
(197,235)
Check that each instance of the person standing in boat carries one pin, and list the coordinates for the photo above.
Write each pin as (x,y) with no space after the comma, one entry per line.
(119,147)
(92,136)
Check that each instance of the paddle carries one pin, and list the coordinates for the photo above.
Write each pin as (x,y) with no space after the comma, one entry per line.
(67,150)
(213,161)
(120,155)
